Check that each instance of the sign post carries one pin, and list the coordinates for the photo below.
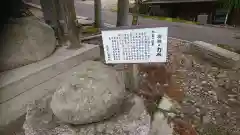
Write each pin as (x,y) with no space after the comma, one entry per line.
(134,46)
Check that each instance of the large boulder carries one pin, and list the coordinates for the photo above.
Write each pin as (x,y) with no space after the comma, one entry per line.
(24,41)
(91,95)
(133,120)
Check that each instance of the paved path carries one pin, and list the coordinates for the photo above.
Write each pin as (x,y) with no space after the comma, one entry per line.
(177,30)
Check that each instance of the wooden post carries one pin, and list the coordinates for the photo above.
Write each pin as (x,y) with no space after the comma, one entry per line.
(131,77)
(97,14)
(131,74)
(135,12)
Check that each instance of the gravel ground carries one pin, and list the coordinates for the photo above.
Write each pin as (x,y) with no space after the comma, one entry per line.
(208,94)
(211,94)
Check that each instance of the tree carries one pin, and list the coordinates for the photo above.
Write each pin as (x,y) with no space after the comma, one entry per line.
(136,12)
(229,5)
(61,15)
(97,14)
(122,12)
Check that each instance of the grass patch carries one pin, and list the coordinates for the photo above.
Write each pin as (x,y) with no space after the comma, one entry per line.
(90,30)
(227,47)
(114,9)
(169,19)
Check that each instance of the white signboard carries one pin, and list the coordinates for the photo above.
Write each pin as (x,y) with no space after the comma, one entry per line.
(142,45)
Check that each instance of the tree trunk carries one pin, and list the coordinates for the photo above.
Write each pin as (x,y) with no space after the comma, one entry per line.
(135,12)
(61,16)
(231,7)
(122,13)
(51,14)
(69,22)
(226,18)
(97,14)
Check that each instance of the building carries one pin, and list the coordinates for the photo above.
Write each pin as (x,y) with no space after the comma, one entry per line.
(234,17)
(184,9)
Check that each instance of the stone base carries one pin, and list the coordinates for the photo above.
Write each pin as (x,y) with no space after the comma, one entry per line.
(133,120)
(215,54)
(26,84)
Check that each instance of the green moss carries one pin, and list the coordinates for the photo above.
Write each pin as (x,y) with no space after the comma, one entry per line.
(90,30)
(227,47)
(114,9)
(168,19)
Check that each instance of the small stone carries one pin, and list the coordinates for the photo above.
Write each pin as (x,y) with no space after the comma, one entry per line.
(166,85)
(188,109)
(204,82)
(165,104)
(222,75)
(206,119)
(232,99)
(192,101)
(145,75)
(214,68)
(215,97)
(232,96)
(160,125)
(228,114)
(184,101)
(198,110)
(211,92)
(213,118)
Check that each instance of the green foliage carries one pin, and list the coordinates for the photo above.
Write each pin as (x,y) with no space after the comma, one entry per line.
(114,9)
(90,30)
(227,47)
(230,3)
(169,19)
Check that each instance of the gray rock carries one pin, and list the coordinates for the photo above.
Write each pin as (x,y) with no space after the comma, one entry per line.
(188,109)
(91,95)
(160,125)
(206,119)
(24,41)
(232,100)
(222,75)
(133,120)
(215,54)
(40,119)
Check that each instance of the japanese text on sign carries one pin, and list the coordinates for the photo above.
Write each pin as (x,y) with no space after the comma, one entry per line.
(135,45)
